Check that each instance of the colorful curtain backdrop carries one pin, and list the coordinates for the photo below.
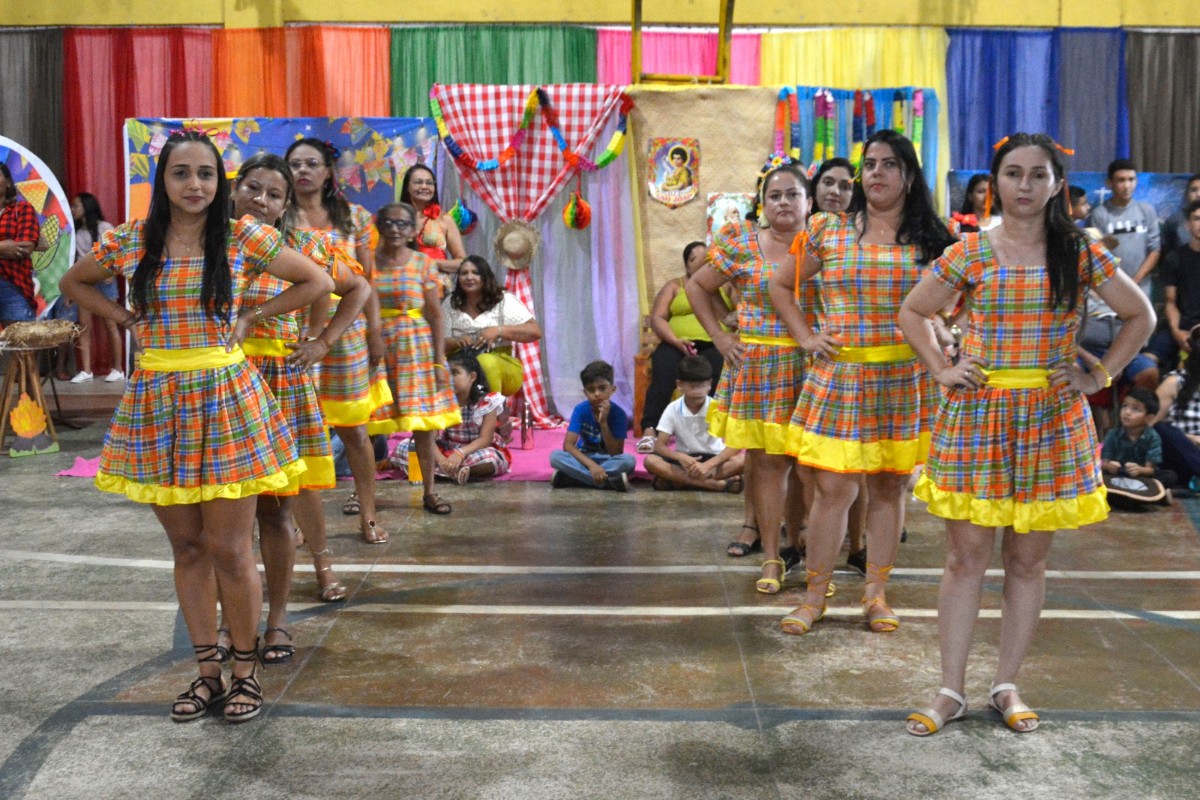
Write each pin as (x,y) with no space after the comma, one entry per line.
(250,72)
(31,107)
(1164,110)
(855,58)
(827,129)
(112,74)
(496,54)
(1068,83)
(376,151)
(318,56)
(675,53)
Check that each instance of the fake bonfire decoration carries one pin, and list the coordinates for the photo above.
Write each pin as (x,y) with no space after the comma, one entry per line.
(28,421)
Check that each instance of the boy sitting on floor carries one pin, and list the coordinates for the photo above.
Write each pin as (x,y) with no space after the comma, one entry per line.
(593,449)
(699,460)
(1131,456)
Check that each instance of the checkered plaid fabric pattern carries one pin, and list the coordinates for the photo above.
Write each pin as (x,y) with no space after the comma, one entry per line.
(206,427)
(176,318)
(419,404)
(1018,445)
(862,287)
(735,254)
(19,222)
(483,120)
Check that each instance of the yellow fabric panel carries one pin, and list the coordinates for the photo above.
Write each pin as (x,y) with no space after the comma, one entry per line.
(865,58)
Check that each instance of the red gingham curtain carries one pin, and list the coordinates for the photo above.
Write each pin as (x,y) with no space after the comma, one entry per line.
(483,119)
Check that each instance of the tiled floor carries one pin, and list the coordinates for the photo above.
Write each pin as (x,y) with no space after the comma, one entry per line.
(569,643)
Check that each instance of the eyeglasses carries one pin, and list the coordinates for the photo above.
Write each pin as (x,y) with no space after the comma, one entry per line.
(399,224)
(311,163)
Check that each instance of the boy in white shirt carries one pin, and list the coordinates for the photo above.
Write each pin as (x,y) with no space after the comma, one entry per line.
(698,460)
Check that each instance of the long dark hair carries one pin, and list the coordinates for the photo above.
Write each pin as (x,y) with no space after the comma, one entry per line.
(827,165)
(687,252)
(216,288)
(968,205)
(920,224)
(1064,240)
(274,163)
(405,196)
(469,363)
(491,293)
(331,191)
(92,215)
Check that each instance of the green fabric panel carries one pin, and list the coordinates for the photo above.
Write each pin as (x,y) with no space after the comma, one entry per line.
(496,54)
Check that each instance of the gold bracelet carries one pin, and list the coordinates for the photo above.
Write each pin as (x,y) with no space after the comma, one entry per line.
(1107,375)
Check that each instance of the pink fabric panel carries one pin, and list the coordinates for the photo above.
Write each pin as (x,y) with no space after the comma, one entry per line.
(671,53)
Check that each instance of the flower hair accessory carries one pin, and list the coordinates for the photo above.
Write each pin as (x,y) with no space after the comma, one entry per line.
(333,149)
(196,129)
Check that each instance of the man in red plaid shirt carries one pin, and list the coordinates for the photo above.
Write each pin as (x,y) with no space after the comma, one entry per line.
(18,236)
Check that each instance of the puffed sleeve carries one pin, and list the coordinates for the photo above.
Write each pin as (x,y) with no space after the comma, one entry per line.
(431,277)
(950,268)
(120,249)
(364,227)
(1097,263)
(728,251)
(260,244)
(818,225)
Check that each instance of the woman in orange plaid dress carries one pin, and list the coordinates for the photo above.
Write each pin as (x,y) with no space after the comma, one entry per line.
(1013,442)
(865,406)
(198,435)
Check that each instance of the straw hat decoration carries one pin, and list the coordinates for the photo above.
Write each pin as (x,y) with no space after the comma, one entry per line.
(516,243)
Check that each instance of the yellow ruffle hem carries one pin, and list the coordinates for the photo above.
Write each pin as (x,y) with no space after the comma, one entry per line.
(159,495)
(844,455)
(1041,515)
(318,474)
(349,413)
(748,434)
(432,422)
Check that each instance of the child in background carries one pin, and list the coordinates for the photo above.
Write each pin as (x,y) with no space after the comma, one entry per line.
(593,448)
(471,449)
(1131,457)
(699,460)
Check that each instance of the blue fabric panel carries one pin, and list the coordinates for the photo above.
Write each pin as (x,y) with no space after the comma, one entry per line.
(1093,108)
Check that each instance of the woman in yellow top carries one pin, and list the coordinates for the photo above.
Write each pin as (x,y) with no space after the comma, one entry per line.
(680,335)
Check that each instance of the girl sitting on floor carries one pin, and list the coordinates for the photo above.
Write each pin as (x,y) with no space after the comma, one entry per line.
(471,449)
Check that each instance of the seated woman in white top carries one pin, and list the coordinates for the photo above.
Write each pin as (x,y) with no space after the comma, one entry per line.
(481,317)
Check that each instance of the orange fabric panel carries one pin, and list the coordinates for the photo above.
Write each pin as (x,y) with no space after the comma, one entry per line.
(357,68)
(249,72)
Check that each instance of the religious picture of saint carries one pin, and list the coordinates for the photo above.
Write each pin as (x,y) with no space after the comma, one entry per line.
(674,169)
(727,208)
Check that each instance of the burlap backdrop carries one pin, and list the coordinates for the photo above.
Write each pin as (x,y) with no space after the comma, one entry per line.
(734,126)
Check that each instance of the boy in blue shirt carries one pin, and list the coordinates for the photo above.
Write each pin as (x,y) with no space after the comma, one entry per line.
(593,451)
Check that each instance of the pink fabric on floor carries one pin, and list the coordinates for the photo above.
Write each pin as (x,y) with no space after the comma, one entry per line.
(83,468)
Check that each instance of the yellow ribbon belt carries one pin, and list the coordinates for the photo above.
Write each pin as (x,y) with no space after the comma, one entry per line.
(188,359)
(776,341)
(875,355)
(1018,378)
(265,347)
(392,313)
